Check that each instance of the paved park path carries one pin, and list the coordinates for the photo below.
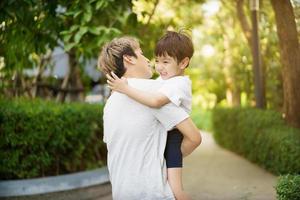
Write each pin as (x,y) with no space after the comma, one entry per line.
(214,173)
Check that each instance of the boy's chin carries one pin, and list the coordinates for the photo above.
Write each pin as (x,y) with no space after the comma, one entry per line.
(166,77)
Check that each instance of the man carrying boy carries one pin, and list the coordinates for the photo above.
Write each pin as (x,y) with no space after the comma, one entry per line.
(173,53)
(136,134)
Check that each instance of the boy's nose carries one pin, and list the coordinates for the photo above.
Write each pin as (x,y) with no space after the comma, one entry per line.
(158,67)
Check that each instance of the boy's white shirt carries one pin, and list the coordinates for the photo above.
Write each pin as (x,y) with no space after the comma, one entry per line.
(178,89)
(136,137)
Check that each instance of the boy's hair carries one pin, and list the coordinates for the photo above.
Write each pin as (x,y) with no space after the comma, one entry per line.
(111,55)
(175,44)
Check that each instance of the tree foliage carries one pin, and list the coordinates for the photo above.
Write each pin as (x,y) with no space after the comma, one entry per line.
(31,28)
(221,68)
(34,26)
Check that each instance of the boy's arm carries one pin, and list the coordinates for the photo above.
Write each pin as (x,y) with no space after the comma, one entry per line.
(171,115)
(154,99)
(192,137)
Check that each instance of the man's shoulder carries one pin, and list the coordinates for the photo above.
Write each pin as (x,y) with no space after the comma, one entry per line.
(180,79)
(115,98)
(179,82)
(144,84)
(140,80)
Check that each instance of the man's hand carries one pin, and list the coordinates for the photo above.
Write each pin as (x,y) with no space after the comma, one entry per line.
(117,84)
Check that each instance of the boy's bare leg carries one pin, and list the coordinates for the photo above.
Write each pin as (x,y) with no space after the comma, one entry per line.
(175,182)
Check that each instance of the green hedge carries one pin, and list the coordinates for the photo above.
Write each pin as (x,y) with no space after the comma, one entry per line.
(202,118)
(39,138)
(259,135)
(288,187)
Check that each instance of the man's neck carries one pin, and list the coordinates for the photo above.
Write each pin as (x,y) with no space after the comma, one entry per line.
(131,75)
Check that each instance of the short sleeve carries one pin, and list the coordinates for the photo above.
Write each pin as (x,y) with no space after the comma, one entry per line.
(176,89)
(170,115)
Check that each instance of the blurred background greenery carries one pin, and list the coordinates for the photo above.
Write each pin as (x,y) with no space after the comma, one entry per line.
(49,50)
(221,69)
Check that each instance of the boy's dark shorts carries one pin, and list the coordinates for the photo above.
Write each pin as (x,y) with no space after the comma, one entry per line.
(173,153)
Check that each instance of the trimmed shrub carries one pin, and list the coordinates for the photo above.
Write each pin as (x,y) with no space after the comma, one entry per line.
(288,187)
(259,135)
(39,138)
(202,118)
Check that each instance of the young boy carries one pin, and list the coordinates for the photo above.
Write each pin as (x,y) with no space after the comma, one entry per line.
(173,53)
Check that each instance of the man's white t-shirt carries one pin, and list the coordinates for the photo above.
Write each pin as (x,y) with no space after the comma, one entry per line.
(136,137)
(178,89)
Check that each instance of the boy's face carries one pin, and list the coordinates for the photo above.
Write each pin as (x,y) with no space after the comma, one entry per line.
(167,67)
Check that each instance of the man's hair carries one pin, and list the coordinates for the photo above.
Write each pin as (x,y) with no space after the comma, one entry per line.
(111,55)
(176,44)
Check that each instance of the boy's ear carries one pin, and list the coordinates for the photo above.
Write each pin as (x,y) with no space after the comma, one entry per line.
(184,63)
(129,59)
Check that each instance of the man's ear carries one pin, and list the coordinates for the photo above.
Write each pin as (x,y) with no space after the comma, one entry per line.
(184,63)
(129,59)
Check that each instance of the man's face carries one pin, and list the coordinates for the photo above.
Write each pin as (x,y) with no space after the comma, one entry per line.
(143,68)
(167,67)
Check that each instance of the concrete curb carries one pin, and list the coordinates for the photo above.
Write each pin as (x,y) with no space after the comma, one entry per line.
(44,185)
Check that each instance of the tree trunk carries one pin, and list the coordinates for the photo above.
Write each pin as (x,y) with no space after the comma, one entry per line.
(290,59)
(17,84)
(76,85)
(44,60)
(232,88)
(232,91)
(72,87)
(62,94)
(244,22)
(36,81)
(248,34)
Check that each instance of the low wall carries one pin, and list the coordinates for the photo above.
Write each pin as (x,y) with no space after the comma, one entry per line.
(90,185)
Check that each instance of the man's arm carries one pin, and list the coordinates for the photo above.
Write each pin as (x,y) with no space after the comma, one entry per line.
(192,137)
(154,99)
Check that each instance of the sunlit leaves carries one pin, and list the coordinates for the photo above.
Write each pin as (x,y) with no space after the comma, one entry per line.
(80,33)
(29,27)
(87,16)
(33,26)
